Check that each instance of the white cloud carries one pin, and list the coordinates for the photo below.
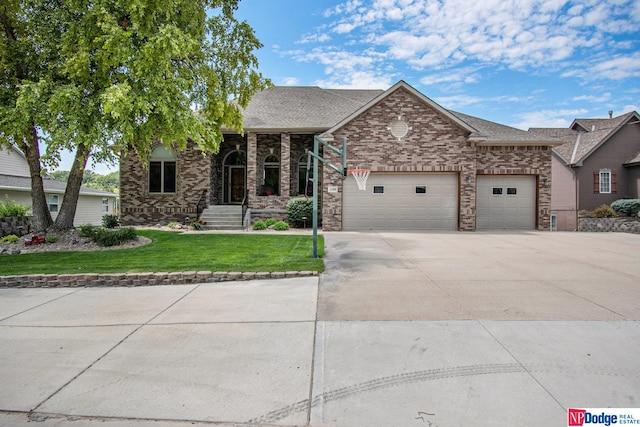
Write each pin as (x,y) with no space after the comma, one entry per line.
(593,98)
(523,34)
(548,118)
(630,108)
(290,81)
(457,101)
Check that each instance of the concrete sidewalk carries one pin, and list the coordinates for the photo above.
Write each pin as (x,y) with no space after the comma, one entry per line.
(452,329)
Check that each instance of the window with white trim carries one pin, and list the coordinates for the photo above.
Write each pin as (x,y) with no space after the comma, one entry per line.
(162,170)
(105,205)
(605,181)
(54,202)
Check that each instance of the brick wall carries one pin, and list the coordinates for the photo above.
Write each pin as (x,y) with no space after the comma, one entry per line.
(521,161)
(138,206)
(433,144)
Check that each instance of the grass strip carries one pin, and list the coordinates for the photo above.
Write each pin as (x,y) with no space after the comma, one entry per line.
(170,251)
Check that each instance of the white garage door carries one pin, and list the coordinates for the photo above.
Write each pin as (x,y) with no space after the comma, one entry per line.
(506,202)
(411,201)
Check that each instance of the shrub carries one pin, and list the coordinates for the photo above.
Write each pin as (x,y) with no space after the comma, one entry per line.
(300,211)
(259,225)
(173,224)
(629,207)
(198,224)
(280,226)
(110,221)
(87,230)
(604,211)
(51,239)
(11,238)
(104,237)
(10,208)
(269,222)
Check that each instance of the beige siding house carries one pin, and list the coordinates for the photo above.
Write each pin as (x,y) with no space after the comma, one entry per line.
(15,183)
(431,168)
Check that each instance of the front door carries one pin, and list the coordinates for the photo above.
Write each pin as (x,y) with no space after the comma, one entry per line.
(236,184)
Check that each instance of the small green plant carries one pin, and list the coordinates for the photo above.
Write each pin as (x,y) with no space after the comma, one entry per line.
(173,224)
(51,239)
(604,211)
(300,211)
(104,237)
(198,224)
(281,226)
(628,207)
(110,221)
(259,225)
(11,238)
(87,230)
(270,221)
(10,208)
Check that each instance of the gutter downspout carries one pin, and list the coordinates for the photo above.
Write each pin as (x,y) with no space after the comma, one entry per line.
(572,165)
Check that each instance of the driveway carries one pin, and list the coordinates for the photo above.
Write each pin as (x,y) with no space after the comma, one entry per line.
(451,329)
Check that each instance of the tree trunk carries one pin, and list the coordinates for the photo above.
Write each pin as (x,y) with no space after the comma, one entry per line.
(39,206)
(67,214)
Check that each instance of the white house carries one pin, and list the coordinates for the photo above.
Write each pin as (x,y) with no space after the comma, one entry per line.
(15,183)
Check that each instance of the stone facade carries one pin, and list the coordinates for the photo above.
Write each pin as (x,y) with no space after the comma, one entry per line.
(619,225)
(139,206)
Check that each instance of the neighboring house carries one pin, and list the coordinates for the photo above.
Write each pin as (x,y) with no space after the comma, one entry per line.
(431,168)
(15,183)
(598,164)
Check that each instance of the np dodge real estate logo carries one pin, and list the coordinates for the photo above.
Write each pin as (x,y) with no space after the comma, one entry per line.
(603,416)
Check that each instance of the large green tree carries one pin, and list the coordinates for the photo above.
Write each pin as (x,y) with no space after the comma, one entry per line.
(113,76)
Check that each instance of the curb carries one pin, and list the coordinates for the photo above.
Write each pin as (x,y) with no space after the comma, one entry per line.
(140,279)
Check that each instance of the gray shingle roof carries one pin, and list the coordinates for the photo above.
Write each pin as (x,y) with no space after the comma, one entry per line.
(50,185)
(497,133)
(575,150)
(313,109)
(297,108)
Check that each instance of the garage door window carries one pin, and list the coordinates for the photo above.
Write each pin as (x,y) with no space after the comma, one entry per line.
(378,189)
(512,191)
(497,190)
(421,189)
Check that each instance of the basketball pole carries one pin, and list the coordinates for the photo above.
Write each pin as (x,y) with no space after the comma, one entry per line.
(340,170)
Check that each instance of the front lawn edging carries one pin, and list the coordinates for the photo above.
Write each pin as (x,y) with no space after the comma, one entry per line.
(141,279)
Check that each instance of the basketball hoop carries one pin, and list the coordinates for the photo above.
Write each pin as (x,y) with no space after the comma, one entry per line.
(361,176)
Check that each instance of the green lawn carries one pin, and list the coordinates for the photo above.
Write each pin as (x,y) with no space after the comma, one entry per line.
(172,251)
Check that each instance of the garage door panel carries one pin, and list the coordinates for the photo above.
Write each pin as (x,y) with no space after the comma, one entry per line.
(400,207)
(515,211)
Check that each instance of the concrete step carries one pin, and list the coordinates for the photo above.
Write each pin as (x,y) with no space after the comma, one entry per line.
(222,217)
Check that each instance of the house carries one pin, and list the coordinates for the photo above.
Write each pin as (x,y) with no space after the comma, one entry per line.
(15,183)
(598,163)
(431,168)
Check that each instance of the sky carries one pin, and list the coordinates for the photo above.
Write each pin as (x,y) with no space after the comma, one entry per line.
(521,63)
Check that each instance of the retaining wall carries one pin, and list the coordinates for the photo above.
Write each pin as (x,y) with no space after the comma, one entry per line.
(18,225)
(621,225)
(140,279)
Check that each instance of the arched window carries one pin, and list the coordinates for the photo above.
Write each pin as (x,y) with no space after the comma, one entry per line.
(162,170)
(271,175)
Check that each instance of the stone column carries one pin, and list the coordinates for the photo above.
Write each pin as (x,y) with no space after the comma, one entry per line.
(285,165)
(252,166)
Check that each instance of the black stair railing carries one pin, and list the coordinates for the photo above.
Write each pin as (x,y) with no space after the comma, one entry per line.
(202,203)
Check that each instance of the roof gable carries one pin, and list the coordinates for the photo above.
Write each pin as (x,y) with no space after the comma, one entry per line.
(402,85)
(585,136)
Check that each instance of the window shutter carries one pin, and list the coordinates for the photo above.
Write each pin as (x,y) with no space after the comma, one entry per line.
(596,182)
(614,182)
